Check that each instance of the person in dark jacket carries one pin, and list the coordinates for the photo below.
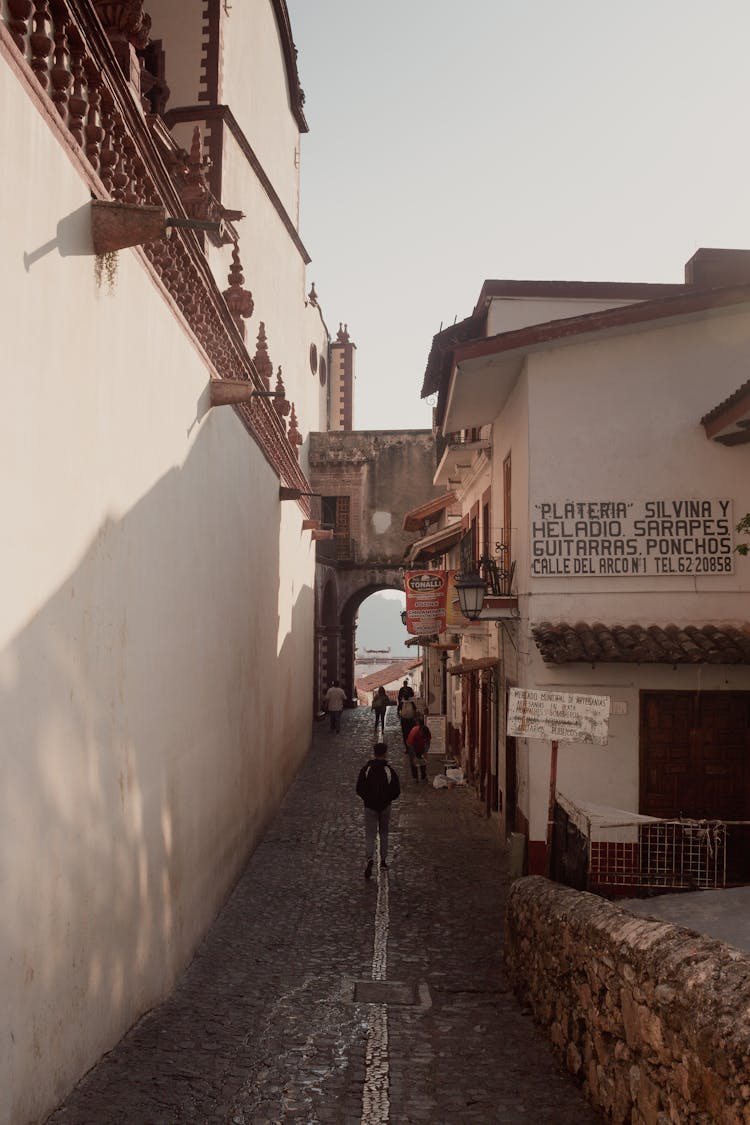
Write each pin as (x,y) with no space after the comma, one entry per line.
(406,710)
(380,706)
(378,785)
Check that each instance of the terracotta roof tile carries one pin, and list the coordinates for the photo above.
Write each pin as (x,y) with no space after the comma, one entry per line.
(582,643)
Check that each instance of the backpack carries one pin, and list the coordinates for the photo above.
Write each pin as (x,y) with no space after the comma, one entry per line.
(408,709)
(374,785)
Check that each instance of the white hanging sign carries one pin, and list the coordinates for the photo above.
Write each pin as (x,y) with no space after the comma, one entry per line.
(558,715)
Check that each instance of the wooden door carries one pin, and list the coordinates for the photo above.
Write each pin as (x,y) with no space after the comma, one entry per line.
(695,762)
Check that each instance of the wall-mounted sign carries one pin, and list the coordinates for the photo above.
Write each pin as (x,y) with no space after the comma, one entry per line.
(425,601)
(559,715)
(576,538)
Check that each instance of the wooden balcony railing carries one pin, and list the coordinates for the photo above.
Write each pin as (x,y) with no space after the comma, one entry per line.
(79,60)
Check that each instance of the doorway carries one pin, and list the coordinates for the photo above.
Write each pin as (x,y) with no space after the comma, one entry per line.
(695,763)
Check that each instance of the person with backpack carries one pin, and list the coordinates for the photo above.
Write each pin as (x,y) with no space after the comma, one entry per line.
(417,746)
(378,785)
(407,710)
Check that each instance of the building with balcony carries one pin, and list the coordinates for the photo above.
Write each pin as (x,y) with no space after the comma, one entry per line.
(158,610)
(593,441)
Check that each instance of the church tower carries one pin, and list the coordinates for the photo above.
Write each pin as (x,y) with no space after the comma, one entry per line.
(341,383)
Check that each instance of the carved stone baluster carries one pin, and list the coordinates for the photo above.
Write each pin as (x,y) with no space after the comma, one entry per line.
(61,68)
(18,24)
(152,194)
(119,175)
(138,177)
(93,130)
(77,102)
(108,157)
(131,190)
(41,44)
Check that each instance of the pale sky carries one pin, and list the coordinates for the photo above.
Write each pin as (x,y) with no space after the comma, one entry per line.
(543,139)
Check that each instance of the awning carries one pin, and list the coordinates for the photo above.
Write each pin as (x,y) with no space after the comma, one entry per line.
(479,665)
(438,542)
(582,643)
(415,519)
(422,639)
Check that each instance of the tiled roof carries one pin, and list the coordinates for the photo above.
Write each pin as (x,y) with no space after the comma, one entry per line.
(416,518)
(642,644)
(395,671)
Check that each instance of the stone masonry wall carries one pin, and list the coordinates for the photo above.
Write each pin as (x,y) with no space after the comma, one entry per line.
(653,1020)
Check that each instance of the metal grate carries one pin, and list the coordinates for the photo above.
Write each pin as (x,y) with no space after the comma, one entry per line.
(665,853)
(603,848)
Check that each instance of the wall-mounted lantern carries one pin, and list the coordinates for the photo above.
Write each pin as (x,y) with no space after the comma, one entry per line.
(471,589)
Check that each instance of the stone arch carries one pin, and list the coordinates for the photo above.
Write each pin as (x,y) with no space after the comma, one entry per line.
(348,618)
(366,481)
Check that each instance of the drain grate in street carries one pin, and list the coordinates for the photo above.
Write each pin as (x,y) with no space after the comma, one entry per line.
(384,992)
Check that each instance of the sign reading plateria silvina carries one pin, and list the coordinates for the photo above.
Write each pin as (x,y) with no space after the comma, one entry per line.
(631,537)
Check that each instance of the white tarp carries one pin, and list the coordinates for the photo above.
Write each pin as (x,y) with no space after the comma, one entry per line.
(559,715)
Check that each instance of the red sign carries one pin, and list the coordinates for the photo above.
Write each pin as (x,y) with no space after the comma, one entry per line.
(425,601)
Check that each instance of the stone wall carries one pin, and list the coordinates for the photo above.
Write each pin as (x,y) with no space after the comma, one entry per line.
(653,1020)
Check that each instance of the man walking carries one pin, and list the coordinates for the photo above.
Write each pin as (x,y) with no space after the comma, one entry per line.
(334,700)
(378,785)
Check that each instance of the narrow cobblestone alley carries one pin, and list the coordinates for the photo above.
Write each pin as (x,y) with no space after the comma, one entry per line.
(321,997)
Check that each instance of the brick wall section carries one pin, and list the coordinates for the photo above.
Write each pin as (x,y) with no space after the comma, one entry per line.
(653,1020)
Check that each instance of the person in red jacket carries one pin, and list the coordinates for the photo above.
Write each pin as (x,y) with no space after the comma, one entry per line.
(417,746)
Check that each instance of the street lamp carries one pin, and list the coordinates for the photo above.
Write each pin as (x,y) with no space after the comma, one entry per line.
(471,588)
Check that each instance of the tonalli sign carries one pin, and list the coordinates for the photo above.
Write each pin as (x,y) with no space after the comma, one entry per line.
(425,601)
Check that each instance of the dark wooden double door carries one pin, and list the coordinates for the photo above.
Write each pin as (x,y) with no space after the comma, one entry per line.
(695,761)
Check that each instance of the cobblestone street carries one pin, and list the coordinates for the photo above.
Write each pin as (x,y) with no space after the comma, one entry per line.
(321,997)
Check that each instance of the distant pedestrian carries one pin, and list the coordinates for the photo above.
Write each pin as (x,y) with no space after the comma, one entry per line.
(333,701)
(380,706)
(407,710)
(378,785)
(417,747)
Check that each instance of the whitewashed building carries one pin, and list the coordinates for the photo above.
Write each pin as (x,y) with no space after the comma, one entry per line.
(595,437)
(158,564)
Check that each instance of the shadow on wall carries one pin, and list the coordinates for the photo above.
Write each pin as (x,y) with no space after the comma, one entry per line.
(140,762)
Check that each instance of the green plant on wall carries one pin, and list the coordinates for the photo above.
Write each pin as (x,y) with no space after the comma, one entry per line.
(105,268)
(744,529)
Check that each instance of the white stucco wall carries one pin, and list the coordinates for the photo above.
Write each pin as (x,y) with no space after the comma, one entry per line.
(275,274)
(253,81)
(156,597)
